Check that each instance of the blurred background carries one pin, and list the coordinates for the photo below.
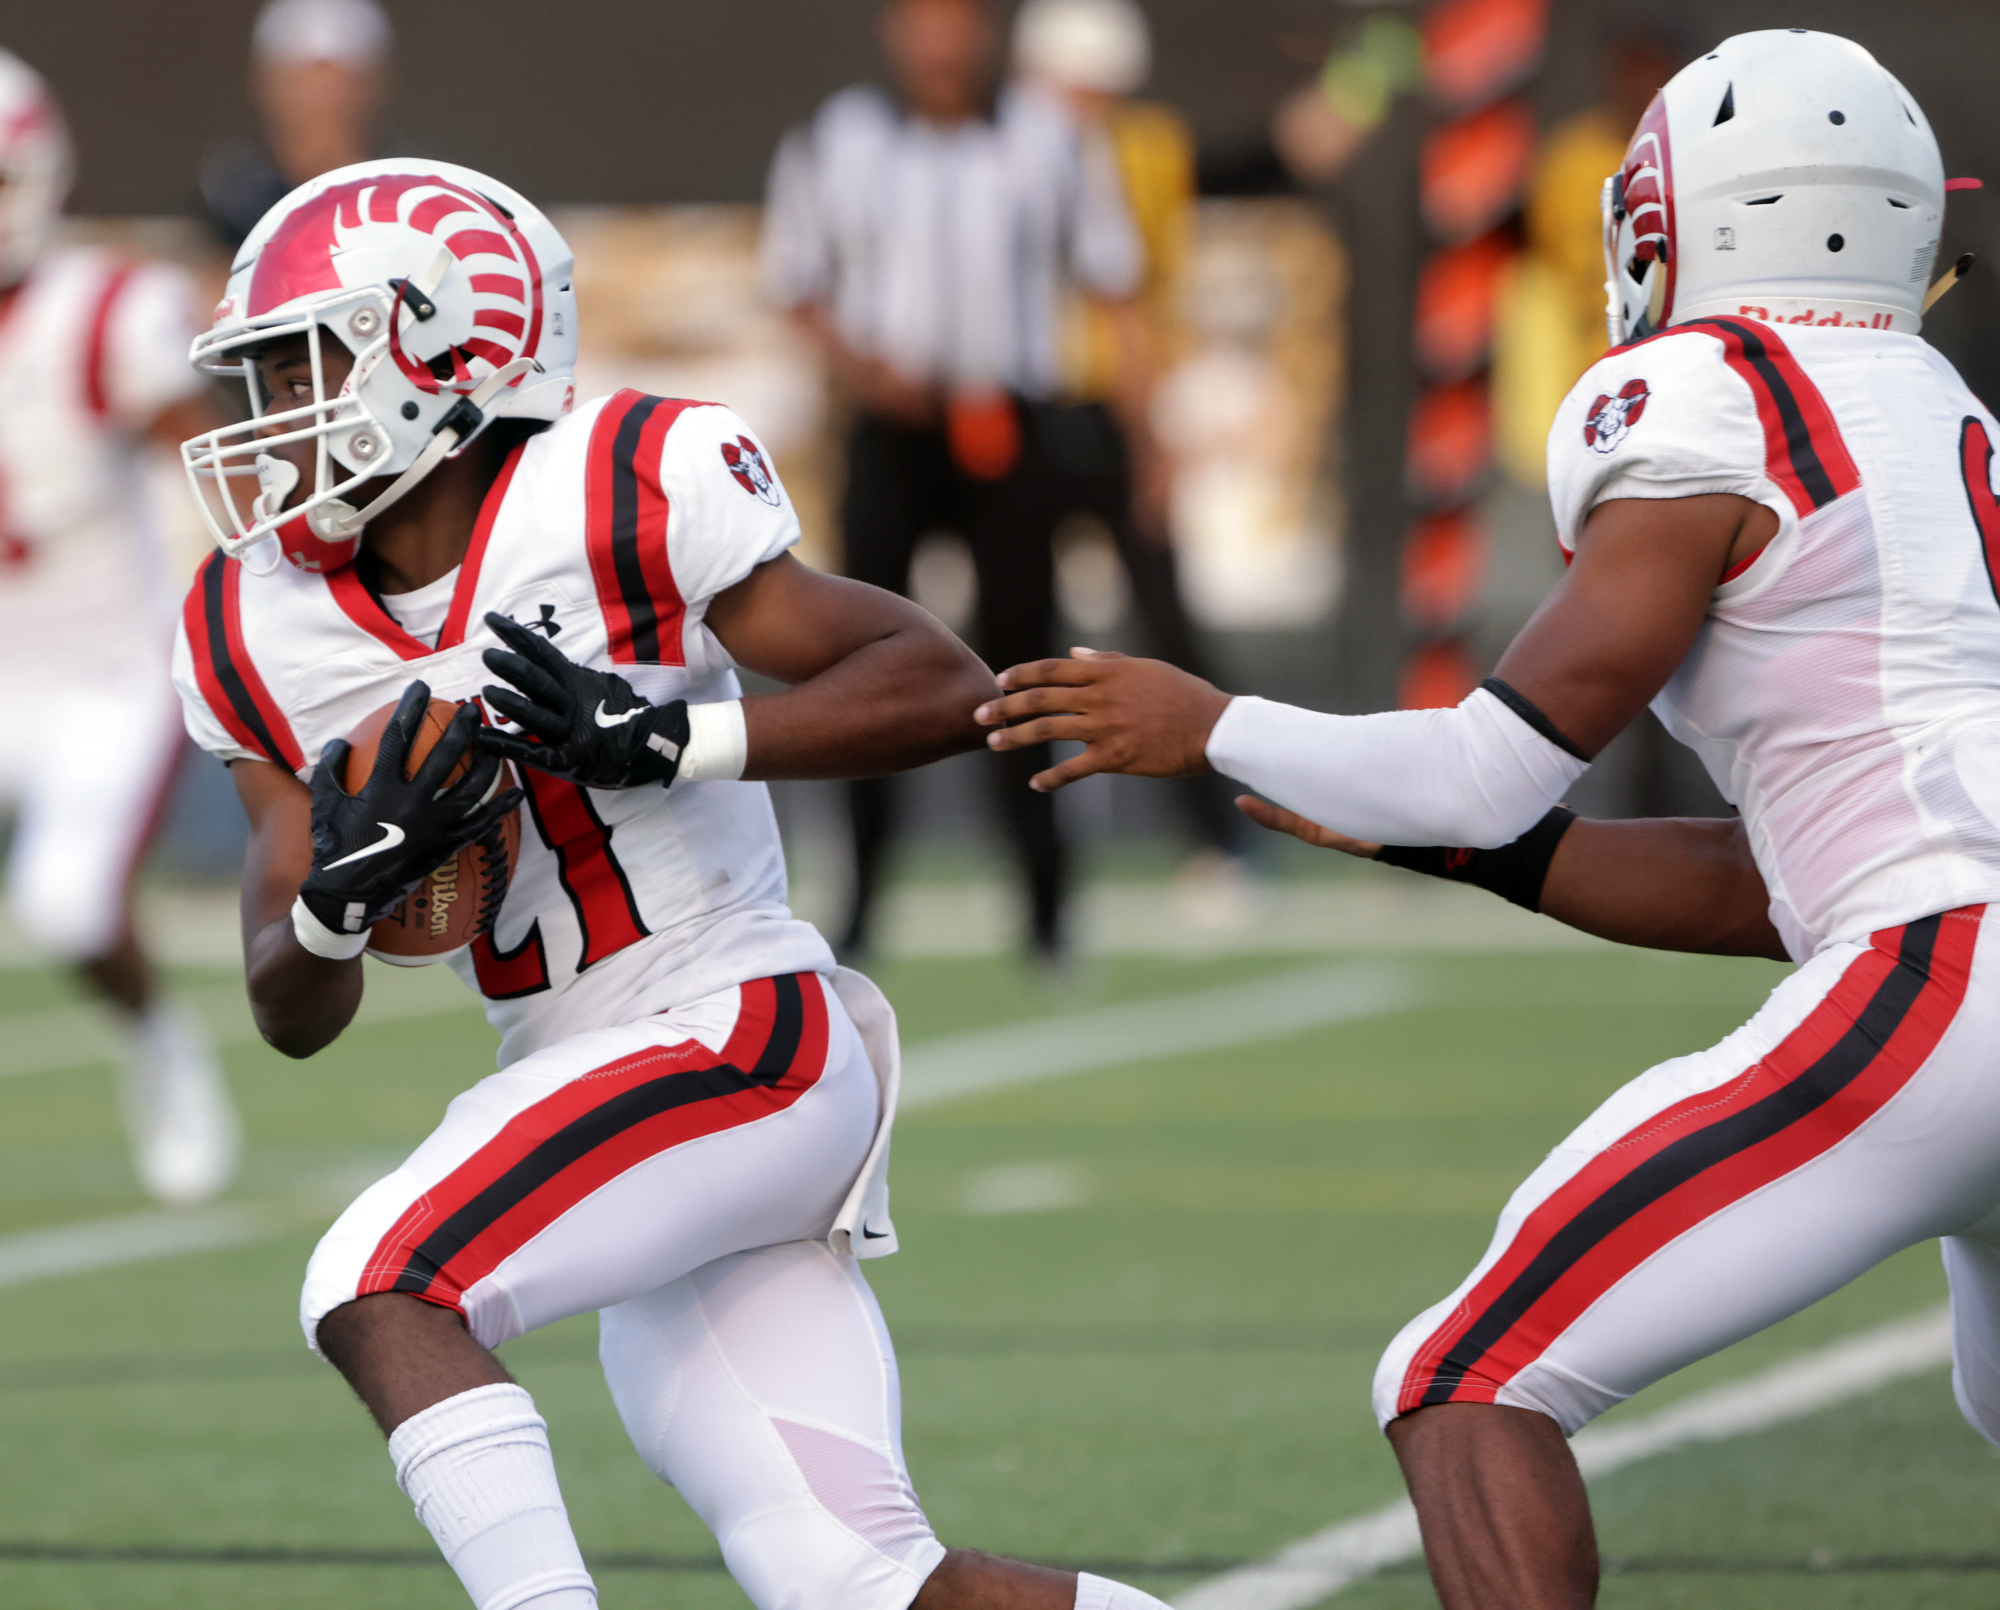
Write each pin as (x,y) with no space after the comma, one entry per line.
(1360,327)
(1313,281)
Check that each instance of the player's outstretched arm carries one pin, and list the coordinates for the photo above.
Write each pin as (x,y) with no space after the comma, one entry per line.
(874,684)
(1600,647)
(1665,883)
(877,685)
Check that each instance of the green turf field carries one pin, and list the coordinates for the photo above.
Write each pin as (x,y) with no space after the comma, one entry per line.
(1166,1377)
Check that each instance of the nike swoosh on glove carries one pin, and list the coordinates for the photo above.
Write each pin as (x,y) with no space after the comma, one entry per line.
(585,725)
(371,848)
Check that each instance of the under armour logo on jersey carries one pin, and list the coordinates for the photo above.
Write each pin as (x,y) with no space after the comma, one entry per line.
(746,462)
(547,624)
(1611,417)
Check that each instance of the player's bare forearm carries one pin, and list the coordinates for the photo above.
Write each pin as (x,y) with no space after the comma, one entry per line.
(877,684)
(301,1002)
(1598,649)
(1667,883)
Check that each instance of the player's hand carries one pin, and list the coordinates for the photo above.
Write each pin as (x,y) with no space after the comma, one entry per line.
(1140,717)
(1280,820)
(371,848)
(586,725)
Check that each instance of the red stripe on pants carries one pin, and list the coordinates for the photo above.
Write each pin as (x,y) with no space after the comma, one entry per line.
(1608,1260)
(525,1131)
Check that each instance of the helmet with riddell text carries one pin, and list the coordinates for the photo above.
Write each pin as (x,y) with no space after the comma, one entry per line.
(1785,176)
(36,165)
(451,293)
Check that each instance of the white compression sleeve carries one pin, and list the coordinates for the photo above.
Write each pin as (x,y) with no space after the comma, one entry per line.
(1477,775)
(477,1467)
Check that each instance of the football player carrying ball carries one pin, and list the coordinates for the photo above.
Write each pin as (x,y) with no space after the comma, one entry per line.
(689,1129)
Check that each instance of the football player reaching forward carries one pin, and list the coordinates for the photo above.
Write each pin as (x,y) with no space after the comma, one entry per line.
(689,1129)
(1781,508)
(93,366)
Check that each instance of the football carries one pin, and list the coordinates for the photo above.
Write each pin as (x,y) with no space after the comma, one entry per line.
(458,902)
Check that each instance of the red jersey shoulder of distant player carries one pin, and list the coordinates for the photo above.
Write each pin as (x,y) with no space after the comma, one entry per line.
(92,348)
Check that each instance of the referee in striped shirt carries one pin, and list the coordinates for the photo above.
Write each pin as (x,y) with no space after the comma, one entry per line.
(926,242)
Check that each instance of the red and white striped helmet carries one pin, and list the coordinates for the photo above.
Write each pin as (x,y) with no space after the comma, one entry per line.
(453,295)
(1784,176)
(36,165)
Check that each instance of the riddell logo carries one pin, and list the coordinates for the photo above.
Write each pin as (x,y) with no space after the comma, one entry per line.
(1874,321)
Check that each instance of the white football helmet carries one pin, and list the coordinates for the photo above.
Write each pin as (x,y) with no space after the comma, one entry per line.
(452,293)
(1785,176)
(37,163)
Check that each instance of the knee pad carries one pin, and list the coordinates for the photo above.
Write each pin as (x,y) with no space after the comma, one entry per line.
(1544,1386)
(800,1558)
(809,1517)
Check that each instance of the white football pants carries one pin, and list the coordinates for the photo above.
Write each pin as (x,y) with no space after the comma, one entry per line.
(1856,1114)
(87,770)
(681,1174)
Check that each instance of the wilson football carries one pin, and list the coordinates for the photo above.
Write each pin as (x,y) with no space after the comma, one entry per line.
(459,901)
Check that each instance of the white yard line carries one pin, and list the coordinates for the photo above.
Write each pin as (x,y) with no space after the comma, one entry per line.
(1317,1567)
(935,1071)
(75,1249)
(1158,1026)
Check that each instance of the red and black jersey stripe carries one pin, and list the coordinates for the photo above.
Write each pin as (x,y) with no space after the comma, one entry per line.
(1851,1055)
(552,1155)
(1803,450)
(625,513)
(223,668)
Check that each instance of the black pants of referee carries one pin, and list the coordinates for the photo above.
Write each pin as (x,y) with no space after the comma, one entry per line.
(901,484)
(1086,449)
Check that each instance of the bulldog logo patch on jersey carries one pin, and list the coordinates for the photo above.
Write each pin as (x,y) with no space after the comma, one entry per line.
(746,462)
(1612,417)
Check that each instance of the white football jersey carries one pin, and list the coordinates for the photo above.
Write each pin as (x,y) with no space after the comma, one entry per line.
(1844,691)
(91,349)
(610,531)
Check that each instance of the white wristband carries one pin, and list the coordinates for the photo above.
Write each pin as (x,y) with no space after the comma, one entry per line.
(315,936)
(718,746)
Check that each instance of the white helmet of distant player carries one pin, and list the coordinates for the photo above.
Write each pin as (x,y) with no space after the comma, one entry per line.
(453,296)
(36,165)
(1785,176)
(1103,46)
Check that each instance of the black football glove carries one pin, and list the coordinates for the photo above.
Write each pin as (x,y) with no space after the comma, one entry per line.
(592,728)
(371,848)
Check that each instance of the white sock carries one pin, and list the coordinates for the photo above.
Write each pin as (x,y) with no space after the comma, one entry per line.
(477,1467)
(1101,1593)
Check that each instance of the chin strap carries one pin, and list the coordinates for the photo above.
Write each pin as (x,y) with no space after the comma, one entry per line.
(1947,280)
(336,519)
